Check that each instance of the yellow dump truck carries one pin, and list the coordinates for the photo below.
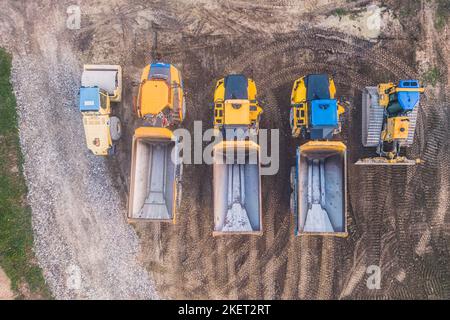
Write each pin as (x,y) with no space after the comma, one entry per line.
(156,170)
(236,166)
(100,86)
(318,180)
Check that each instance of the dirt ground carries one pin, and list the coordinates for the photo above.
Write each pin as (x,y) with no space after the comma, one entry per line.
(398,217)
(6,292)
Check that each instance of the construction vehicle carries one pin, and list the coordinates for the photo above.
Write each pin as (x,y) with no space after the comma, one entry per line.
(160,100)
(315,113)
(156,169)
(389,115)
(236,159)
(318,180)
(100,85)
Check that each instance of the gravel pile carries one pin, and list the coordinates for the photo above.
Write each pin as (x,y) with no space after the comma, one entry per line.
(82,240)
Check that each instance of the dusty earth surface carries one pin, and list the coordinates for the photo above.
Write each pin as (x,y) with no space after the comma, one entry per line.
(5,287)
(398,217)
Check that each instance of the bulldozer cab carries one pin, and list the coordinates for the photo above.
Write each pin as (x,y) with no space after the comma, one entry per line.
(389,117)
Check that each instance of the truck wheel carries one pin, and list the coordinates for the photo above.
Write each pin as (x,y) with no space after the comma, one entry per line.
(112,150)
(115,128)
(179,195)
(179,184)
(135,105)
(291,118)
(292,177)
(183,109)
(292,203)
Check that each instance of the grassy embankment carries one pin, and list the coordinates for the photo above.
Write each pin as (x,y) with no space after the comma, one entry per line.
(16,235)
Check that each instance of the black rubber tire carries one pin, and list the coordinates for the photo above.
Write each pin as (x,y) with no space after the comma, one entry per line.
(291,118)
(183,109)
(115,128)
(291,203)
(292,177)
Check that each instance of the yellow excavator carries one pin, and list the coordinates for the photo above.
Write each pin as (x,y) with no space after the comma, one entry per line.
(155,187)
(236,162)
(389,114)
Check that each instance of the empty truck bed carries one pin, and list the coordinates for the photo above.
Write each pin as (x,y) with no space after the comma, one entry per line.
(153,179)
(237,189)
(320,188)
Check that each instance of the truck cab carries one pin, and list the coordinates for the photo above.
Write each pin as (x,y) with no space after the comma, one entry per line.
(314,110)
(160,100)
(236,105)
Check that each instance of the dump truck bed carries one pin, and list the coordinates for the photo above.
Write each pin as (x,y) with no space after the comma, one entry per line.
(154,176)
(319,203)
(237,188)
